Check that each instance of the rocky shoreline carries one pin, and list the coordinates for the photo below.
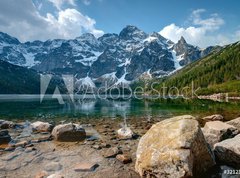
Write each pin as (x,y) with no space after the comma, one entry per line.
(181,146)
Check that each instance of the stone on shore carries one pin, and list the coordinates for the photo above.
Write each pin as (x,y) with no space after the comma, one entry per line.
(41,174)
(215,117)
(125,133)
(68,133)
(174,148)
(85,167)
(55,176)
(216,131)
(124,158)
(4,137)
(235,123)
(111,152)
(6,124)
(228,151)
(42,126)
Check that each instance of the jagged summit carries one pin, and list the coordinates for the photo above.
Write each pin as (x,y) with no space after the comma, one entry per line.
(132,32)
(182,40)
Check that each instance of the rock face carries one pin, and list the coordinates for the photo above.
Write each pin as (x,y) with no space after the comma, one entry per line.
(125,133)
(228,151)
(215,117)
(4,137)
(174,148)
(68,132)
(235,123)
(217,131)
(42,126)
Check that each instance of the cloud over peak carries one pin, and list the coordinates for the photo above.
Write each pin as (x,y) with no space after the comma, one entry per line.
(200,31)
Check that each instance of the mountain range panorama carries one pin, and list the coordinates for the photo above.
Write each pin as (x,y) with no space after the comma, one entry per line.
(113,58)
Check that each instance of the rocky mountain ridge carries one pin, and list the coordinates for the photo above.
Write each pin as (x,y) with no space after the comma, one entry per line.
(113,58)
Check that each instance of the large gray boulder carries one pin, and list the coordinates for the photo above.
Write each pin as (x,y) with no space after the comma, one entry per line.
(235,123)
(228,151)
(68,132)
(174,148)
(216,131)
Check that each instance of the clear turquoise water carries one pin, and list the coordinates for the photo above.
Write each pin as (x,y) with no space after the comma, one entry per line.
(29,108)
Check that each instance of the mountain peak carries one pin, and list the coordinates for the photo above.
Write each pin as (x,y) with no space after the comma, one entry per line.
(182,40)
(132,32)
(4,37)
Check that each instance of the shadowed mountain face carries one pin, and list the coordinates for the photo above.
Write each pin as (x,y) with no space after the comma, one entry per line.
(112,58)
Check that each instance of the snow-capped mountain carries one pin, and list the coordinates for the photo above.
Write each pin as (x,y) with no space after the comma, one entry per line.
(112,58)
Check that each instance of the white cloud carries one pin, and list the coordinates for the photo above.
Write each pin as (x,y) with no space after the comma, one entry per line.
(202,32)
(22,20)
(70,23)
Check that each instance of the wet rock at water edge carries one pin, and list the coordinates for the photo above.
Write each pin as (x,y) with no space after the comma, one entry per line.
(6,124)
(41,126)
(68,133)
(4,137)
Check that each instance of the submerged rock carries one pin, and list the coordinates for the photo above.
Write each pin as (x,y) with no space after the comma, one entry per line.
(228,151)
(174,148)
(68,132)
(216,131)
(42,126)
(4,137)
(125,133)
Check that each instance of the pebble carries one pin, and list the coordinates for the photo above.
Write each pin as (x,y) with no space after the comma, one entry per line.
(124,158)
(85,167)
(111,152)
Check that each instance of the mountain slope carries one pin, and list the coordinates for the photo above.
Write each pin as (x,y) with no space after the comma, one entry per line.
(19,80)
(217,73)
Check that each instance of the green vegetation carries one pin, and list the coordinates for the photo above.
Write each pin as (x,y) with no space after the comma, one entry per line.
(19,80)
(219,72)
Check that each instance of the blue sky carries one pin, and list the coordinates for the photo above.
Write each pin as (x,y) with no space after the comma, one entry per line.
(201,22)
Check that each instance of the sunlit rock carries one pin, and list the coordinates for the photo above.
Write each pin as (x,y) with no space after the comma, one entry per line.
(68,132)
(125,133)
(216,131)
(174,148)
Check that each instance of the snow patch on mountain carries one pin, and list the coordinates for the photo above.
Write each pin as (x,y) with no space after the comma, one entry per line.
(176,60)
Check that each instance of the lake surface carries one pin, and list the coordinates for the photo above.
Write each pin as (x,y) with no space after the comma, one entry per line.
(30,108)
